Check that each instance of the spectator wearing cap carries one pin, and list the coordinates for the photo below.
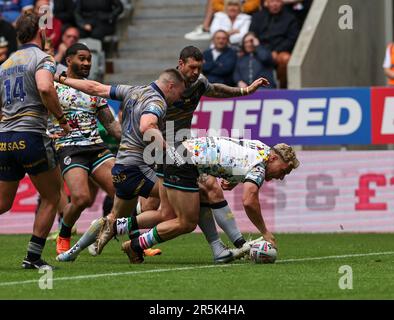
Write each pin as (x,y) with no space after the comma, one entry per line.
(219,61)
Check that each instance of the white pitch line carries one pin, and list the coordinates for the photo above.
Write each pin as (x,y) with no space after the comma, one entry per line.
(114,274)
(338,257)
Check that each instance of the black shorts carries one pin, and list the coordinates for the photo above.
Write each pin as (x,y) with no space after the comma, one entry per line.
(159,169)
(182,178)
(85,157)
(25,152)
(133,181)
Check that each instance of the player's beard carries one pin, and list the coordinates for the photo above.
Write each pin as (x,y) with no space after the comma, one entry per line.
(79,72)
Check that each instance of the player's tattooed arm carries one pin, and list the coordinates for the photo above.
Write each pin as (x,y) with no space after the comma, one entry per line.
(110,124)
(218,90)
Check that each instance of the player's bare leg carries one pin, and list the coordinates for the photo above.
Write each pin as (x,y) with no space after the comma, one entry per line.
(77,180)
(116,223)
(103,177)
(8,191)
(186,207)
(48,185)
(151,203)
(63,201)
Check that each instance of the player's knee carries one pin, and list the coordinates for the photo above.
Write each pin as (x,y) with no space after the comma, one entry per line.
(188,226)
(215,192)
(151,204)
(166,214)
(51,199)
(82,201)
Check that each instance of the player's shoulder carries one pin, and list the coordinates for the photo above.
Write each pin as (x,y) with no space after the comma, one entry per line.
(39,54)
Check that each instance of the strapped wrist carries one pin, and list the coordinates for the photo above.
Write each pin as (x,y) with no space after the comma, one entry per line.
(62,119)
(64,79)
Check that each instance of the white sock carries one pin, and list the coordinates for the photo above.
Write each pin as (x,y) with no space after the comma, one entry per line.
(122,226)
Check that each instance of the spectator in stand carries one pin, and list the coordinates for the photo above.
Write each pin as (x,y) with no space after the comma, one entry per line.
(299,8)
(97,18)
(54,28)
(3,49)
(8,33)
(233,21)
(11,9)
(201,32)
(388,64)
(277,30)
(219,61)
(64,11)
(255,62)
(70,36)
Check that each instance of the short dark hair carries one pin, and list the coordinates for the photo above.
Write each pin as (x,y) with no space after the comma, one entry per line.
(73,50)
(27,27)
(174,74)
(191,52)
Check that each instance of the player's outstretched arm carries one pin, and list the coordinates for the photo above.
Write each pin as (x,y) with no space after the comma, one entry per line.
(90,87)
(110,124)
(251,203)
(219,90)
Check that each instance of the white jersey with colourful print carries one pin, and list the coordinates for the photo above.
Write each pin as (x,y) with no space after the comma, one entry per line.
(236,160)
(81,111)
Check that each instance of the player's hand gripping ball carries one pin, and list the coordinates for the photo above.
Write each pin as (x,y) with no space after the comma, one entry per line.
(263,252)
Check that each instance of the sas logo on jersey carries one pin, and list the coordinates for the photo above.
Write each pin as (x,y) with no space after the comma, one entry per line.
(67,160)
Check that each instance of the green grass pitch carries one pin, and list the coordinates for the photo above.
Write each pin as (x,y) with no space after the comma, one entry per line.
(307,268)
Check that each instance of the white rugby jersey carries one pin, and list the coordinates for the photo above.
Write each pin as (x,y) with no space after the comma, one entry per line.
(236,160)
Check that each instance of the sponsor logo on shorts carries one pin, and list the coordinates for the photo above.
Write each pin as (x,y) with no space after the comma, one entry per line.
(13,146)
(67,160)
(174,179)
(119,178)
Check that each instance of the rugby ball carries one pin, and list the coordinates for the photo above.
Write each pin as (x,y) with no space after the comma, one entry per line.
(263,252)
